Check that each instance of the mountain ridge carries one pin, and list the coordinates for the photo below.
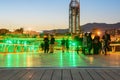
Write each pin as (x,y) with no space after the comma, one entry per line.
(89,27)
(101,26)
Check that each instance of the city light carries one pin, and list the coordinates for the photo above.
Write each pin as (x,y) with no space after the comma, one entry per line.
(99,33)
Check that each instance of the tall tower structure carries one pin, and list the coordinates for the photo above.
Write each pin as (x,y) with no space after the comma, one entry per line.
(74,17)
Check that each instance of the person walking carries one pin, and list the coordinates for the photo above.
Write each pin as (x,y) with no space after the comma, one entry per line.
(46,44)
(84,45)
(67,44)
(96,44)
(42,45)
(77,43)
(89,43)
(102,46)
(52,42)
(63,45)
(106,39)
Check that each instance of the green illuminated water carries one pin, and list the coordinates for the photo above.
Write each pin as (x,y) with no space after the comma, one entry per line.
(13,45)
(19,45)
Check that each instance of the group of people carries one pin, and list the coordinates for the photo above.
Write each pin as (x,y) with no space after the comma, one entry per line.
(48,45)
(86,42)
(97,44)
(65,44)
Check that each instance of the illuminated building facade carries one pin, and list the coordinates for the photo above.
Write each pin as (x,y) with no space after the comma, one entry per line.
(74,17)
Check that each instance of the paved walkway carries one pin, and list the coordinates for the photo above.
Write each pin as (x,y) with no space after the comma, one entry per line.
(59,66)
(58,59)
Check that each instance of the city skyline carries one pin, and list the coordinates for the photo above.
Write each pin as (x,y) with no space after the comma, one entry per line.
(46,15)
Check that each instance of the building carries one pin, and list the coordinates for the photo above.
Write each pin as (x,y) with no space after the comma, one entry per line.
(74,17)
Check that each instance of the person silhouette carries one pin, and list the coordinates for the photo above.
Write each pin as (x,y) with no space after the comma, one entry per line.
(52,42)
(46,44)
(106,38)
(63,45)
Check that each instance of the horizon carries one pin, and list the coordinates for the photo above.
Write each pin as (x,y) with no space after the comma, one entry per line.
(48,15)
(64,28)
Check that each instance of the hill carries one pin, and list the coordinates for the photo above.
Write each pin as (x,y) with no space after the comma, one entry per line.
(101,26)
(89,27)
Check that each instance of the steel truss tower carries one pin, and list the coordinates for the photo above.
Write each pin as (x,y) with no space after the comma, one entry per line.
(74,17)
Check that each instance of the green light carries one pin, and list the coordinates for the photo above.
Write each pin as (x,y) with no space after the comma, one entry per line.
(9,60)
(17,60)
(73,44)
(8,41)
(10,48)
(18,42)
(74,60)
(25,43)
(24,58)
(61,59)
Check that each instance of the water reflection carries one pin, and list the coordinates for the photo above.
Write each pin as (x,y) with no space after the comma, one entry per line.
(58,59)
(91,60)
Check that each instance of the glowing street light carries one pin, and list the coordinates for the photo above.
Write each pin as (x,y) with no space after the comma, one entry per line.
(98,32)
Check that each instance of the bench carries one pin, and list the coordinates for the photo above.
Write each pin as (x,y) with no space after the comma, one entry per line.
(114,45)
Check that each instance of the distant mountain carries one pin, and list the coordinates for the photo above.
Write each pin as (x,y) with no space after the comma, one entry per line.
(60,31)
(88,28)
(101,26)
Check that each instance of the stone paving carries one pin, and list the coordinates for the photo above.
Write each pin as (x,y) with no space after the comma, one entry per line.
(59,59)
(59,66)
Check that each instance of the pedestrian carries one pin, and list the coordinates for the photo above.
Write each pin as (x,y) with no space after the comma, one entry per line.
(102,46)
(77,43)
(106,39)
(96,44)
(52,42)
(89,43)
(46,44)
(42,46)
(81,41)
(84,46)
(67,44)
(63,45)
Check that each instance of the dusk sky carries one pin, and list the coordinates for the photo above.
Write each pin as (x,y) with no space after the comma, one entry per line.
(53,14)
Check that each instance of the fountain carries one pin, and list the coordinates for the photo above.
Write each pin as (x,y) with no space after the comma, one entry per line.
(19,45)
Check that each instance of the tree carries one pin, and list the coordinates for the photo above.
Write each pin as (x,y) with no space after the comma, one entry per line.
(19,30)
(3,31)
